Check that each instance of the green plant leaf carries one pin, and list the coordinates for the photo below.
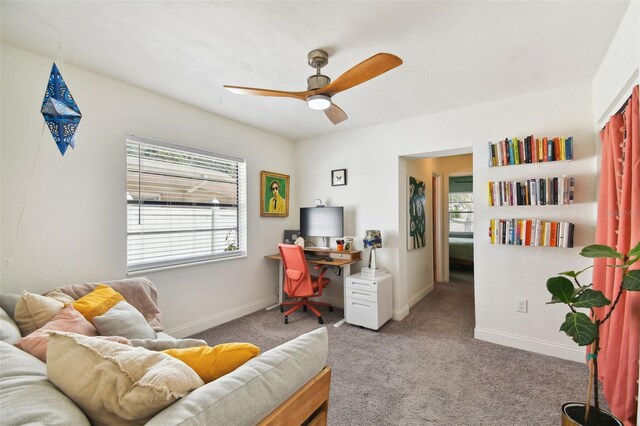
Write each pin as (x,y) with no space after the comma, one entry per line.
(635,251)
(579,327)
(574,274)
(631,260)
(631,281)
(600,250)
(579,290)
(590,299)
(554,300)
(561,289)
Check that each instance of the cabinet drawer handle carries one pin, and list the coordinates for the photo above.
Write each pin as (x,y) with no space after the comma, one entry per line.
(357,292)
(362,284)
(360,304)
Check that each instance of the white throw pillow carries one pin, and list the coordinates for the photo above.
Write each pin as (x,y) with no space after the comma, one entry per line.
(124,320)
(114,383)
(33,311)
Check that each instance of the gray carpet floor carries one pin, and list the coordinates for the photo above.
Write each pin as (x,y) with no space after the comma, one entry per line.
(425,370)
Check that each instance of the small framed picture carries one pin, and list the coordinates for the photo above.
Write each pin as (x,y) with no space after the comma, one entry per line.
(290,236)
(338,177)
(348,243)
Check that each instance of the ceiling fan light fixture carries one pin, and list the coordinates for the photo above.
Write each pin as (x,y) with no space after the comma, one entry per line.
(319,102)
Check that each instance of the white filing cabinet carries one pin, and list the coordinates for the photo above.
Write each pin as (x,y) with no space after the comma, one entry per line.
(368,300)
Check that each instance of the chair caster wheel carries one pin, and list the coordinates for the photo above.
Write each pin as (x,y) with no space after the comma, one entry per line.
(286,320)
(330,308)
(304,308)
(320,320)
(281,309)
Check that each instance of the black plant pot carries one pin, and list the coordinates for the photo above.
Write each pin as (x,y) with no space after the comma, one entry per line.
(573,415)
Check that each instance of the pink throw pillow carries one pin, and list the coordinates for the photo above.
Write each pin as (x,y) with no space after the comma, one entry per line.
(68,319)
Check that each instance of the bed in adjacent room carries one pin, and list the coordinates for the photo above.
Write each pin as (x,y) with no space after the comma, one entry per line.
(460,251)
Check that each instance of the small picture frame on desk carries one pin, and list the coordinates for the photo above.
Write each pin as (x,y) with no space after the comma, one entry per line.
(290,236)
(348,243)
(339,177)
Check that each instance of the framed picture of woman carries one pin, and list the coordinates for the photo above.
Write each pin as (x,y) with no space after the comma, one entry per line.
(274,194)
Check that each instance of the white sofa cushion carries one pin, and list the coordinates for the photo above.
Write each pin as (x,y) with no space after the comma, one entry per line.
(27,397)
(115,383)
(253,390)
(9,331)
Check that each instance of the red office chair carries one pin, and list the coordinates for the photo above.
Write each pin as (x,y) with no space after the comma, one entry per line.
(299,283)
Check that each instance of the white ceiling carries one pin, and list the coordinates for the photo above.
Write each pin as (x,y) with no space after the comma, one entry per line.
(455,53)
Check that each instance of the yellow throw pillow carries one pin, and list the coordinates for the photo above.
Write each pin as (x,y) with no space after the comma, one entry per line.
(213,362)
(97,302)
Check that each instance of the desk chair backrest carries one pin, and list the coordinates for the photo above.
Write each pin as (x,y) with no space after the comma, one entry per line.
(298,281)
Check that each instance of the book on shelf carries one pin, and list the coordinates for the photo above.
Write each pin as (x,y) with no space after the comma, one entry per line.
(531,232)
(532,192)
(528,150)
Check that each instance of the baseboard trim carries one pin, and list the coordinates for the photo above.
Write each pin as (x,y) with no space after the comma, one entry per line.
(220,318)
(532,345)
(400,314)
(420,295)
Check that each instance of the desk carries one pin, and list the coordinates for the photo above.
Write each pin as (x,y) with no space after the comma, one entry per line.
(338,261)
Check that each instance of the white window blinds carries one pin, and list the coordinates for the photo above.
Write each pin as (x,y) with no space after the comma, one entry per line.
(183,205)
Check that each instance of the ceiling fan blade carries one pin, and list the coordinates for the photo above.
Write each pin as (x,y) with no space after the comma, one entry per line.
(268,92)
(364,71)
(335,114)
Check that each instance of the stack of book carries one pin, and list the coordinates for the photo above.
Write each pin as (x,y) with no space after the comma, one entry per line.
(532,192)
(531,232)
(530,150)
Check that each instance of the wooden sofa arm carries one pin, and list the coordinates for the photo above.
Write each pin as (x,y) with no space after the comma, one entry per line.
(309,405)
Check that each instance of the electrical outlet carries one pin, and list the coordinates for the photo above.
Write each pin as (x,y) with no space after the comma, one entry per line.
(521,305)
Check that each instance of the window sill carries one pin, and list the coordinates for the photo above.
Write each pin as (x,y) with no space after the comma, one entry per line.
(182,265)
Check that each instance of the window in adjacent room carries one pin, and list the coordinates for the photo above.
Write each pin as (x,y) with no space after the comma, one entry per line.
(461,206)
(183,205)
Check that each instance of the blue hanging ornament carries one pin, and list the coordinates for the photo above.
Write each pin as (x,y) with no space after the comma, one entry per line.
(60,111)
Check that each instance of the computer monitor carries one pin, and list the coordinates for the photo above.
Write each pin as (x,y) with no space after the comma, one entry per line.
(322,222)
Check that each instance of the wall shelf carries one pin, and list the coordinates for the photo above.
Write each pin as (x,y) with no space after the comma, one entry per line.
(531,232)
(513,152)
(532,192)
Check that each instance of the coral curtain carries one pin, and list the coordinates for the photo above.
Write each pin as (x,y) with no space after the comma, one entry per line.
(618,225)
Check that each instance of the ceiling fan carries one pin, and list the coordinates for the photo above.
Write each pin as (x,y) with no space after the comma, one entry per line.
(320,88)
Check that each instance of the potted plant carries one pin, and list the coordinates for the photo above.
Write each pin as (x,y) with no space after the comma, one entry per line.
(585,329)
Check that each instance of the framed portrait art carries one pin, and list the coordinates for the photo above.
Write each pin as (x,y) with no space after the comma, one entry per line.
(274,194)
(338,177)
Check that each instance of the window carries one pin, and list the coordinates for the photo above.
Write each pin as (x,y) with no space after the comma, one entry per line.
(183,205)
(461,213)
(461,206)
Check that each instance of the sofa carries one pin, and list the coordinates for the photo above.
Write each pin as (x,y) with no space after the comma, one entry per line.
(288,384)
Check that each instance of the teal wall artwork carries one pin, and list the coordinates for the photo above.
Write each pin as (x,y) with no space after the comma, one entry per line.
(417,219)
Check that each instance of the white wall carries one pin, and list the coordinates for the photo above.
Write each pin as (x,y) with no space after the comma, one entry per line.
(376,190)
(418,264)
(619,70)
(74,223)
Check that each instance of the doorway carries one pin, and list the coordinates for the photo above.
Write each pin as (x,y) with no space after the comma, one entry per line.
(461,224)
